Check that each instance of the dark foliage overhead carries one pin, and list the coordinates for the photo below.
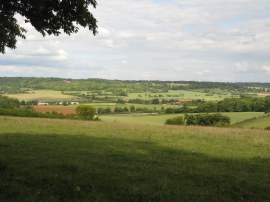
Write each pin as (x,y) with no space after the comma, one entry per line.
(47,16)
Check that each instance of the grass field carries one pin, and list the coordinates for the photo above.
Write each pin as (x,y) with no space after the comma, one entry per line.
(262,122)
(148,106)
(180,94)
(160,119)
(43,96)
(62,160)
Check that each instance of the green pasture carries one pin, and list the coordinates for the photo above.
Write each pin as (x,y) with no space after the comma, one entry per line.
(43,96)
(128,105)
(57,96)
(160,119)
(94,92)
(148,106)
(261,122)
(181,94)
(67,160)
(137,119)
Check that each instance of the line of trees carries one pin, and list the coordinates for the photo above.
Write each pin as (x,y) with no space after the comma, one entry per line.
(261,104)
(216,119)
(207,119)
(124,110)
(121,88)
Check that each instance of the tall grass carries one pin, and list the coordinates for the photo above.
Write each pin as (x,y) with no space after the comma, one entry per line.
(66,160)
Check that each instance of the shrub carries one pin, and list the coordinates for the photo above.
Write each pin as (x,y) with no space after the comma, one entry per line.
(155,101)
(207,120)
(175,121)
(267,128)
(9,103)
(86,112)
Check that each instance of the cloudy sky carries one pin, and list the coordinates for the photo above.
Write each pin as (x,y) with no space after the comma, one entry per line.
(209,40)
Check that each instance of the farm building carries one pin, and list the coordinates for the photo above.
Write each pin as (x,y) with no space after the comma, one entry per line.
(43,104)
(74,103)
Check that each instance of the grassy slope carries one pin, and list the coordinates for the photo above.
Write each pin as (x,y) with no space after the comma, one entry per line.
(43,96)
(160,120)
(45,160)
(262,122)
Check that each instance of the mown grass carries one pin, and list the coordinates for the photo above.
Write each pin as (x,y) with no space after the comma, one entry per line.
(261,122)
(160,119)
(63,160)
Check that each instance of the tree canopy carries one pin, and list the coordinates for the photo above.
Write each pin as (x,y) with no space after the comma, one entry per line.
(86,112)
(46,16)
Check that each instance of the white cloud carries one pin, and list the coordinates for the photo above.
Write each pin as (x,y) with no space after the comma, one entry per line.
(103,33)
(61,55)
(124,62)
(242,67)
(266,68)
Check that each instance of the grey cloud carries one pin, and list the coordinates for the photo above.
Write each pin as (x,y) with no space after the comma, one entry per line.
(144,39)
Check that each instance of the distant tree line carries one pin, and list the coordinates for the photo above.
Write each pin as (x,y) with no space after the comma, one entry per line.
(120,87)
(124,110)
(258,104)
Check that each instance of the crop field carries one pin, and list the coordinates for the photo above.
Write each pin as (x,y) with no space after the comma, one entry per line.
(262,122)
(160,119)
(263,94)
(181,94)
(43,96)
(63,160)
(59,109)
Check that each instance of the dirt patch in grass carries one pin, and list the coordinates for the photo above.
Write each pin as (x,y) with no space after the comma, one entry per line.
(59,109)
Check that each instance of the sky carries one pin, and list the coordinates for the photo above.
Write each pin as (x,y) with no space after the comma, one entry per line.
(195,40)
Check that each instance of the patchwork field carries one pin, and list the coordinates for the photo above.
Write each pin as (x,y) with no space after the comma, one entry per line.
(43,96)
(182,94)
(63,160)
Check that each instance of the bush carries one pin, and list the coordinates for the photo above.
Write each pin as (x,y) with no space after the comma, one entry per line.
(267,128)
(175,121)
(155,101)
(9,103)
(86,112)
(207,120)
(104,110)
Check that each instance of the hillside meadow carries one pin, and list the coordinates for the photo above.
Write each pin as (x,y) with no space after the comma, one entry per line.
(160,119)
(66,160)
(43,96)
(261,122)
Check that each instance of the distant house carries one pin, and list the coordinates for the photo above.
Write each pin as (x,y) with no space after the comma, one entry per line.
(68,103)
(43,104)
(74,103)
(67,81)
